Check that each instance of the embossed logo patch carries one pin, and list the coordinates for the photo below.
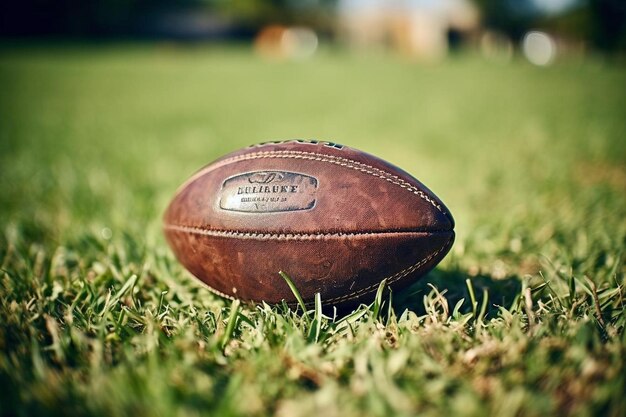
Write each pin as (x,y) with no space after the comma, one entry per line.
(268,191)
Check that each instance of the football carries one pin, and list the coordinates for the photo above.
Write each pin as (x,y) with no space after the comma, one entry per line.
(338,221)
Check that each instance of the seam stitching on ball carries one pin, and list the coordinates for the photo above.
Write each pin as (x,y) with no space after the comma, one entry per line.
(285,236)
(390,279)
(221,294)
(344,162)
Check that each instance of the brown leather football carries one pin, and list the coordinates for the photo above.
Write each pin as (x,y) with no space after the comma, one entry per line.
(337,220)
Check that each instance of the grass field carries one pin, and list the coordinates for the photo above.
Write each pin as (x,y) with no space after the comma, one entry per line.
(525,317)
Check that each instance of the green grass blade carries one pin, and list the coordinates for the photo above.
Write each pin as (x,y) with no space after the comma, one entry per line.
(231,322)
(316,326)
(472,295)
(295,292)
(378,300)
(483,307)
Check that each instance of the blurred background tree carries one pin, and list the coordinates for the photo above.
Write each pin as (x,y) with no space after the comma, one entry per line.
(607,24)
(318,14)
(600,24)
(124,18)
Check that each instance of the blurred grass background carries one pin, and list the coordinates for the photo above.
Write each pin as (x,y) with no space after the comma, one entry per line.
(97,318)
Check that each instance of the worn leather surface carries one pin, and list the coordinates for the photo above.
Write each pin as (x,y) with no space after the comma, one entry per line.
(337,220)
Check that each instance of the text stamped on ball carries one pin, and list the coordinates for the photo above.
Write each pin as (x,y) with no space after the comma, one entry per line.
(268,191)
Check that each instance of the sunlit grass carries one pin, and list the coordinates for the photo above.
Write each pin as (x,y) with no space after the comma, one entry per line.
(524,317)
